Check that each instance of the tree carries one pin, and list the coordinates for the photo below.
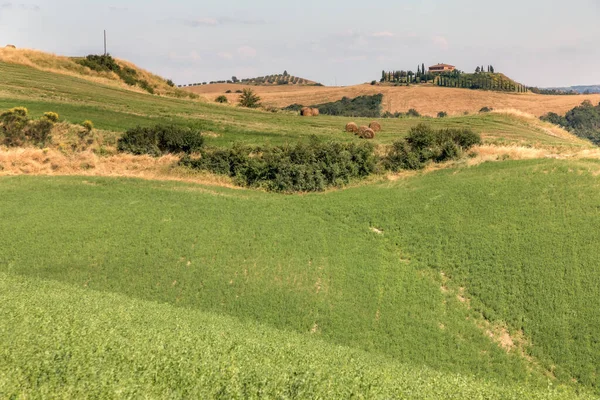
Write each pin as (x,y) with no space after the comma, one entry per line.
(249,99)
(492,69)
(285,73)
(234,79)
(382,76)
(478,70)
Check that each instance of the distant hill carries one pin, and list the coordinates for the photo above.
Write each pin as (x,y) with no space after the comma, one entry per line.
(581,89)
(268,80)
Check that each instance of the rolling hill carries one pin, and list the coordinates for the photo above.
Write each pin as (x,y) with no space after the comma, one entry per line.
(427,100)
(475,279)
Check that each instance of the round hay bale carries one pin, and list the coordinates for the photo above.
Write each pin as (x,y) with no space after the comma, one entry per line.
(306,112)
(315,112)
(368,134)
(11,46)
(376,126)
(351,127)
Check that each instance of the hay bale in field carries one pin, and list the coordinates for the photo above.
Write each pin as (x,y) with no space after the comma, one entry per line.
(366,133)
(376,126)
(351,127)
(11,46)
(315,112)
(306,112)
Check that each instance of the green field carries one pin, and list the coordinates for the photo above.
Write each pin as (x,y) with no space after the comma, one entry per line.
(314,266)
(116,109)
(477,282)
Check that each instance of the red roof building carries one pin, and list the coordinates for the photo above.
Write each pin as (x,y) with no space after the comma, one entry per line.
(441,68)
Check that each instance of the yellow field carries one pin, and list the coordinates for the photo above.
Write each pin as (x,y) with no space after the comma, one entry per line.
(428,100)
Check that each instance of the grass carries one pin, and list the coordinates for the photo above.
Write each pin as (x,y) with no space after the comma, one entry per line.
(117,109)
(172,352)
(429,271)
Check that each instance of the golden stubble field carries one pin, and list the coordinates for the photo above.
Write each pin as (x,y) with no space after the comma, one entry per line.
(428,100)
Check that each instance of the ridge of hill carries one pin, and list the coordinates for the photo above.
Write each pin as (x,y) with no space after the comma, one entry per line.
(268,80)
(72,66)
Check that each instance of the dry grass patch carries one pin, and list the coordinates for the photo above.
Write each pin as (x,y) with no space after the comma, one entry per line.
(52,162)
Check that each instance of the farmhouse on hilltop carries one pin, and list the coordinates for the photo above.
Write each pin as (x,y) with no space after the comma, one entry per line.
(441,68)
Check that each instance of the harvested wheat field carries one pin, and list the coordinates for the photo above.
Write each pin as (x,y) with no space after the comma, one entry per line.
(428,100)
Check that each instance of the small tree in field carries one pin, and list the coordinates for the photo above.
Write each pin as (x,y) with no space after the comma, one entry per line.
(249,99)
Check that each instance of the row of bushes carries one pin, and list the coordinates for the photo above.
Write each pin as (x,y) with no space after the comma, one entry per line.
(159,140)
(106,63)
(304,167)
(315,166)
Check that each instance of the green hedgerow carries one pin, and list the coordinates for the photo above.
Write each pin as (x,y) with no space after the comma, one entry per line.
(161,139)
(304,167)
(424,144)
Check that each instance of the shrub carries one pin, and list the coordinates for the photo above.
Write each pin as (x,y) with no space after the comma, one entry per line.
(249,99)
(16,129)
(160,140)
(38,132)
(486,110)
(373,83)
(238,91)
(170,83)
(413,113)
(228,91)
(12,126)
(146,86)
(423,144)
(51,116)
(442,114)
(221,99)
(88,125)
(301,168)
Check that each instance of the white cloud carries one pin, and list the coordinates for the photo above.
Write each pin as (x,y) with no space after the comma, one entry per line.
(225,55)
(383,34)
(347,59)
(441,42)
(202,22)
(247,52)
(118,8)
(191,56)
(207,21)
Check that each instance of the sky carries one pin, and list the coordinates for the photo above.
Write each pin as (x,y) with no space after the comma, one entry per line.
(336,42)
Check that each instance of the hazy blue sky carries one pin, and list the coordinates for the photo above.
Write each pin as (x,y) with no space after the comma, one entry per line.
(537,42)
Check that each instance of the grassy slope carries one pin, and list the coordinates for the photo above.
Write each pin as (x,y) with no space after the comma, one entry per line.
(67,342)
(69,66)
(117,109)
(503,232)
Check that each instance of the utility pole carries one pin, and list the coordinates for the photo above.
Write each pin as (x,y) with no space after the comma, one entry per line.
(105,42)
